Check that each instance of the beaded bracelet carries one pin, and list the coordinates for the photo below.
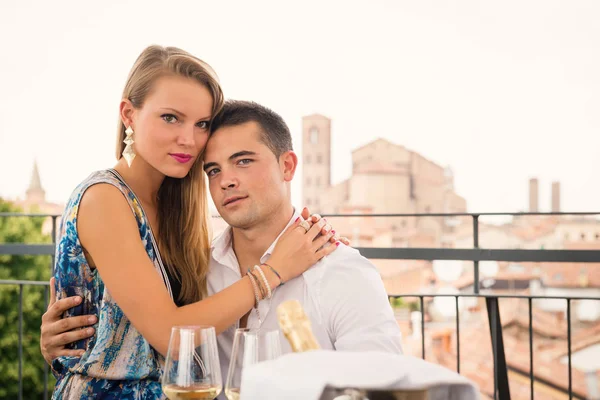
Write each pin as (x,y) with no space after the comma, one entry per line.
(255,288)
(265,281)
(259,284)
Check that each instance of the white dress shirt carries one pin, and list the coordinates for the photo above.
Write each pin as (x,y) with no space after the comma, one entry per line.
(342,295)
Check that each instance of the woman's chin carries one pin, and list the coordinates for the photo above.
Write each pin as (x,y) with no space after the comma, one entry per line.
(177,173)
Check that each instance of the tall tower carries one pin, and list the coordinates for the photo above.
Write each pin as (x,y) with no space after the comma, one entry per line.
(555,196)
(35,193)
(533,195)
(316,162)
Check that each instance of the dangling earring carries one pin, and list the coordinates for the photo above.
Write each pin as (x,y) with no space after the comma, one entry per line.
(128,152)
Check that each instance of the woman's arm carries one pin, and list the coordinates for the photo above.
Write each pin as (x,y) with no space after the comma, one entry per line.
(108,231)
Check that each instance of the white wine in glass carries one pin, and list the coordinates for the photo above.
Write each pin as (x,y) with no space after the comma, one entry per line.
(175,392)
(192,369)
(232,394)
(249,347)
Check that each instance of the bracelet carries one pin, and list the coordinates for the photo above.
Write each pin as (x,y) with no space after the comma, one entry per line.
(259,284)
(255,288)
(265,281)
(281,282)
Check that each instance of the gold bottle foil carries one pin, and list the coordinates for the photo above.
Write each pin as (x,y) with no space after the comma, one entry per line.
(296,326)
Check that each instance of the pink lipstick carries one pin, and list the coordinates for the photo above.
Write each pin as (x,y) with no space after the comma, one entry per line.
(180,157)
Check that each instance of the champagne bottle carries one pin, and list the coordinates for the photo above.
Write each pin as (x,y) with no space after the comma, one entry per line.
(297,329)
(296,326)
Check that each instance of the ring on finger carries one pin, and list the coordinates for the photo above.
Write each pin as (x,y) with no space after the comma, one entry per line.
(305,225)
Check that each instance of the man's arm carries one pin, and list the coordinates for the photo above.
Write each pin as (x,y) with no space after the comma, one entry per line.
(355,305)
(56,332)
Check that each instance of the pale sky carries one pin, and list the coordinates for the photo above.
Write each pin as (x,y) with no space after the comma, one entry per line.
(500,91)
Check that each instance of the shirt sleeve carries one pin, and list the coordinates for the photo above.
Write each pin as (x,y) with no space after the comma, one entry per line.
(355,305)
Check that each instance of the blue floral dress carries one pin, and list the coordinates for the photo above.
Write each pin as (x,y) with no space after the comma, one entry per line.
(118,362)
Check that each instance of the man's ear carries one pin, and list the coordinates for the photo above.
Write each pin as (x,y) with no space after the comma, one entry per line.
(288,163)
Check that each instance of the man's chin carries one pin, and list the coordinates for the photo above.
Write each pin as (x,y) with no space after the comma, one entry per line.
(238,220)
(231,218)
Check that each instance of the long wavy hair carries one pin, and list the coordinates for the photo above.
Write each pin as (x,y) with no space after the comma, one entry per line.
(184,233)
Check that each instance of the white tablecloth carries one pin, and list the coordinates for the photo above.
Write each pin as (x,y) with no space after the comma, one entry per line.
(304,376)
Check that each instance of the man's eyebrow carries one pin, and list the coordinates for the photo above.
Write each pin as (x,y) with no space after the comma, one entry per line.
(231,157)
(241,154)
(209,165)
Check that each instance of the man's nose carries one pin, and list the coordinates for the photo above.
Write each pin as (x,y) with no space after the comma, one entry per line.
(228,180)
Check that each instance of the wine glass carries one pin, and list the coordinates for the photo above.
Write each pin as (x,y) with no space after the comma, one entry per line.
(249,347)
(192,369)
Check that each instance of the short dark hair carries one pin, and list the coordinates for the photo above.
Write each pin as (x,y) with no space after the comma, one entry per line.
(275,132)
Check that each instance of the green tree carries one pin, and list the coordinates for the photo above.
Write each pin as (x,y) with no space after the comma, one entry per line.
(29,268)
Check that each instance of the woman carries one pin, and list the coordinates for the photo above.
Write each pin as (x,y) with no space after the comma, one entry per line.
(134,240)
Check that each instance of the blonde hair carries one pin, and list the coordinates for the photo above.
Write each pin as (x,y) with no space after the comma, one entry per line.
(184,236)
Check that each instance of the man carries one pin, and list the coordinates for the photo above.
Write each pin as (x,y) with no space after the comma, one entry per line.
(250,163)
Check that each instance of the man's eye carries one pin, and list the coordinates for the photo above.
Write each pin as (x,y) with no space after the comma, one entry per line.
(212,172)
(169,118)
(245,161)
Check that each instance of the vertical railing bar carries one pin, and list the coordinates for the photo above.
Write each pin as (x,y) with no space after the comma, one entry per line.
(475,246)
(531,375)
(492,310)
(422,327)
(569,347)
(21,341)
(46,368)
(457,337)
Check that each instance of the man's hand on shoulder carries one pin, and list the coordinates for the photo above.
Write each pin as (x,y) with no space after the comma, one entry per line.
(57,332)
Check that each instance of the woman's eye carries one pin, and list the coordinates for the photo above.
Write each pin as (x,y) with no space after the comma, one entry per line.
(169,118)
(202,125)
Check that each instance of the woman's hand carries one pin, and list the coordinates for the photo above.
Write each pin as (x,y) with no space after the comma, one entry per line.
(314,218)
(300,246)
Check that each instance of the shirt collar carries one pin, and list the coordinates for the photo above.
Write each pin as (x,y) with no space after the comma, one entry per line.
(267,253)
(222,244)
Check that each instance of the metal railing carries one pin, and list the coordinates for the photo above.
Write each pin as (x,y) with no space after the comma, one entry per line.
(477,254)
(474,254)
(21,284)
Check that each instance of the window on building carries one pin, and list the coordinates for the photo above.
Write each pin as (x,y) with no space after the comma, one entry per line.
(597,236)
(427,209)
(404,223)
(307,159)
(308,202)
(583,236)
(314,135)
(319,159)
(318,181)
(308,181)
(566,236)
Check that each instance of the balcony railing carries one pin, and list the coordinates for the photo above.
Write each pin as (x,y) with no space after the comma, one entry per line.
(475,254)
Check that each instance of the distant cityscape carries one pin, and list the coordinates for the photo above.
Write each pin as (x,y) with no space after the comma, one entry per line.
(388,178)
